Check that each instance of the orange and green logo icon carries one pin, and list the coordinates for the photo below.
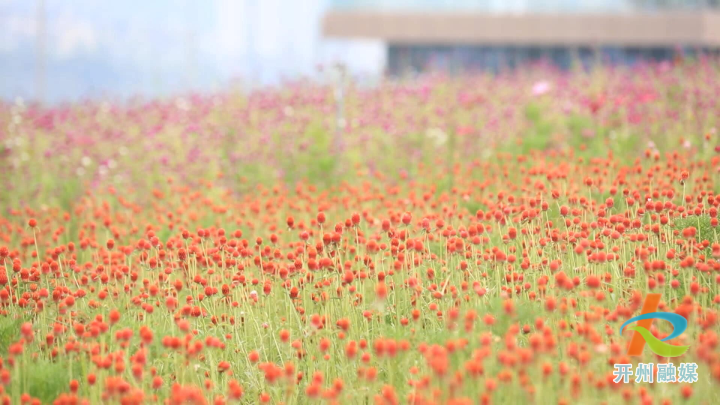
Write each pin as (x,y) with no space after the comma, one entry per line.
(642,333)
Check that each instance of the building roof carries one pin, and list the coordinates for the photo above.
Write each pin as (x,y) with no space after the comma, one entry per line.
(661,29)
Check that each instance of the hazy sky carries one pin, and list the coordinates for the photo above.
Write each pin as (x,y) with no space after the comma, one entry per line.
(121,48)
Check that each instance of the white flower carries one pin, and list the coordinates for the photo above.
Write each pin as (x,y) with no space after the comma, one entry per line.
(437,135)
(540,88)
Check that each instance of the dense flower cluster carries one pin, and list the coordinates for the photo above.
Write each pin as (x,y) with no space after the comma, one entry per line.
(454,242)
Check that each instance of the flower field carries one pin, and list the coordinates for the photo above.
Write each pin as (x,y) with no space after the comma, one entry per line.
(438,241)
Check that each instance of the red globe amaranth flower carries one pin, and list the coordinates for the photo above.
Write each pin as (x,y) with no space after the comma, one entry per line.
(460,240)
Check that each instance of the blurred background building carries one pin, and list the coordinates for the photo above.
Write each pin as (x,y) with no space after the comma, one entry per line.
(466,35)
